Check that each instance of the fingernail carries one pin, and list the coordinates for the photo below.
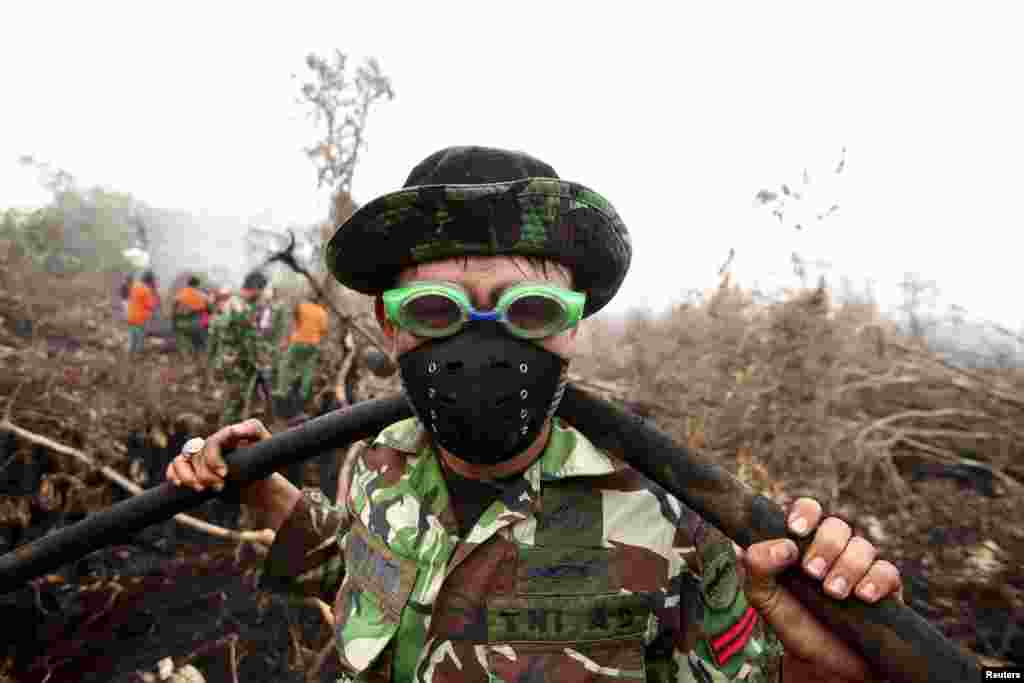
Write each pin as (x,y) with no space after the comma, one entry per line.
(798,525)
(816,566)
(222,471)
(868,591)
(783,552)
(218,487)
(838,585)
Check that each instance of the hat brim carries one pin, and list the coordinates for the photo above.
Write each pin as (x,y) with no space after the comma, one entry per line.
(539,217)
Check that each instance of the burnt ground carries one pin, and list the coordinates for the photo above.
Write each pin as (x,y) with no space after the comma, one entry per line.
(173,592)
(168,591)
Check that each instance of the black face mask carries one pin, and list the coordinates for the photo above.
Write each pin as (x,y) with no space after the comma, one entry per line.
(483,394)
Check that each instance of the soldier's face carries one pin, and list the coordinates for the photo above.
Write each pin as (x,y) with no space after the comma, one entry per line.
(484,278)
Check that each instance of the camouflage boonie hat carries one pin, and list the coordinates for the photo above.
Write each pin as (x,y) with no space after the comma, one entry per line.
(464,201)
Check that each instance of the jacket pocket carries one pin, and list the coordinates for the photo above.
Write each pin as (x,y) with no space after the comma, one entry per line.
(369,604)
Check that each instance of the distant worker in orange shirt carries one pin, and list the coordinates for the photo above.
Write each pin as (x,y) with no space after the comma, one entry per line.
(142,302)
(190,304)
(302,353)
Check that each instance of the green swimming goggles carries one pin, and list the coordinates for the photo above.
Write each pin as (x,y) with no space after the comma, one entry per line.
(440,309)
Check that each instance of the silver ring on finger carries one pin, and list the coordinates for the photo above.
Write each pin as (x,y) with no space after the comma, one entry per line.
(192,447)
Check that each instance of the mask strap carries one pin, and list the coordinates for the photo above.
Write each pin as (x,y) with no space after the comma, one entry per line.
(563,380)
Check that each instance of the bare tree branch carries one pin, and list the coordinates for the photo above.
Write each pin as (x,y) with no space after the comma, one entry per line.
(341,104)
(262,538)
(287,257)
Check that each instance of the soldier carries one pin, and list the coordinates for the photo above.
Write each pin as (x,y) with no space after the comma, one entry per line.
(485,540)
(238,350)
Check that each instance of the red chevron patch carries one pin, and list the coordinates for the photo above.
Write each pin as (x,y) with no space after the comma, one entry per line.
(732,640)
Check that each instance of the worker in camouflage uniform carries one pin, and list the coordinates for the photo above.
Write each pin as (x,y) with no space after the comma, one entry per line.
(239,350)
(485,540)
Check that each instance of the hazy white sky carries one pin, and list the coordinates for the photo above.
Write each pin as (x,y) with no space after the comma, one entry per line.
(676,112)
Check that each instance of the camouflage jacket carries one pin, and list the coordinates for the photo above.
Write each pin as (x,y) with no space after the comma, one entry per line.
(583,570)
(237,348)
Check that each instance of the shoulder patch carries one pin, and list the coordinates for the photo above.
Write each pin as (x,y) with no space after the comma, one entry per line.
(719,578)
(406,436)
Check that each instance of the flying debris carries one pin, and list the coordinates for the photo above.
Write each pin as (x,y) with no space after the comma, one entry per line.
(809,208)
(831,210)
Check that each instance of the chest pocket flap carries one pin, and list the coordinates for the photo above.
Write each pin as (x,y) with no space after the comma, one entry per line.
(369,605)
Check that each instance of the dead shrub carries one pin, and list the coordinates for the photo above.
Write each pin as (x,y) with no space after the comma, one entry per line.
(830,398)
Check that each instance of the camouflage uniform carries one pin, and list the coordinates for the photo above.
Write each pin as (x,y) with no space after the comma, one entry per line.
(582,570)
(237,353)
(272,322)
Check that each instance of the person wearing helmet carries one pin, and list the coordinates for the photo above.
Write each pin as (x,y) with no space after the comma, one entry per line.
(486,539)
